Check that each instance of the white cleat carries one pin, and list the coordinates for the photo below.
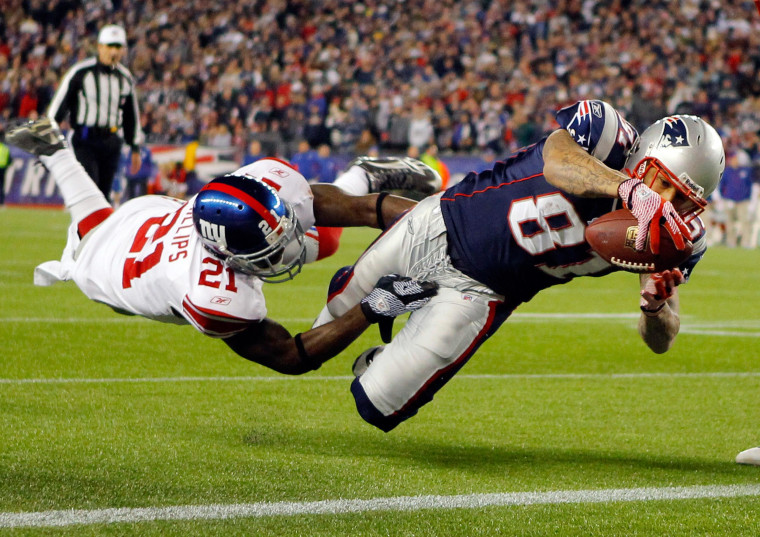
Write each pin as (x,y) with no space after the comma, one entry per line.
(749,456)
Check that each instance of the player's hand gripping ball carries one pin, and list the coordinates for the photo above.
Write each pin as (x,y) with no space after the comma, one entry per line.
(613,237)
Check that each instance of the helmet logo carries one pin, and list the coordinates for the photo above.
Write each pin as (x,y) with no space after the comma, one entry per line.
(674,133)
(213,232)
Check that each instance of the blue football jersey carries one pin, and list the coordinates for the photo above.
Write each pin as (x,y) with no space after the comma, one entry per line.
(513,231)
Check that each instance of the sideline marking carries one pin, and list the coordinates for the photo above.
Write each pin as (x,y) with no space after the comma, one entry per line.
(516,316)
(399,503)
(265,378)
(723,333)
(692,328)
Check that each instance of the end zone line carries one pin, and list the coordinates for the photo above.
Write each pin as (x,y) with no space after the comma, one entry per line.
(474,376)
(400,503)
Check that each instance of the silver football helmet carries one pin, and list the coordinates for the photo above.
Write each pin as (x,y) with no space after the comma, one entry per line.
(688,151)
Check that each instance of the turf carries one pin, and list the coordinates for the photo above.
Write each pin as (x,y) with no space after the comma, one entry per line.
(551,403)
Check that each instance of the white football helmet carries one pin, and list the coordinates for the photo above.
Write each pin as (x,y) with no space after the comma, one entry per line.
(688,151)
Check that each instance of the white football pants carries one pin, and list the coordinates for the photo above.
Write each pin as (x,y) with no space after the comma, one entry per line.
(439,338)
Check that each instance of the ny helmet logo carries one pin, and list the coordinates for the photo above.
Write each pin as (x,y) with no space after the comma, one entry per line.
(213,232)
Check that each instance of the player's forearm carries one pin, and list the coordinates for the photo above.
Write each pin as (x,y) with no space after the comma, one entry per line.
(569,167)
(334,208)
(659,330)
(269,344)
(328,340)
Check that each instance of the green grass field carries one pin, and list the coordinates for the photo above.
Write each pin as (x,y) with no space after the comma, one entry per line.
(121,418)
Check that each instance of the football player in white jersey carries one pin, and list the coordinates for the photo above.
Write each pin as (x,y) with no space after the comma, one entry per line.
(202,261)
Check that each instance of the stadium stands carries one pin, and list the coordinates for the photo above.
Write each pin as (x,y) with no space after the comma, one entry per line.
(482,76)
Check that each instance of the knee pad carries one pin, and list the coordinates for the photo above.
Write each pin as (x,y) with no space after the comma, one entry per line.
(339,281)
(372,415)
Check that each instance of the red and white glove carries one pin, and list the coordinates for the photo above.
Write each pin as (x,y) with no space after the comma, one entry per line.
(659,289)
(649,208)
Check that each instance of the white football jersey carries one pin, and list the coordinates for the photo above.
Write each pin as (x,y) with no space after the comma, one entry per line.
(147,259)
(289,184)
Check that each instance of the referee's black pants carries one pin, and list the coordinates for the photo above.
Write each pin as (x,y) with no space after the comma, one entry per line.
(99,152)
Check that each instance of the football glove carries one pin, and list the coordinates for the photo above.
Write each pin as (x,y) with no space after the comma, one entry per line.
(649,208)
(659,289)
(392,296)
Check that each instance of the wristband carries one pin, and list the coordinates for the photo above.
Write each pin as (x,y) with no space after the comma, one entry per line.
(653,313)
(308,360)
(379,210)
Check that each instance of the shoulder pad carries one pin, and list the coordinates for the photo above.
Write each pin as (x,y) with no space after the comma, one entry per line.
(598,128)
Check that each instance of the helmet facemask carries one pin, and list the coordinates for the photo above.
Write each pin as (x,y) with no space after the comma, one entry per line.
(689,189)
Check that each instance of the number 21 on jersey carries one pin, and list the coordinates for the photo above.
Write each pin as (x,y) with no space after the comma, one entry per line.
(137,263)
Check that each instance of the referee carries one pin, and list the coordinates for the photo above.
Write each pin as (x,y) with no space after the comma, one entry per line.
(99,97)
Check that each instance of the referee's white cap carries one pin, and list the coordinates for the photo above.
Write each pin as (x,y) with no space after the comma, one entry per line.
(112,35)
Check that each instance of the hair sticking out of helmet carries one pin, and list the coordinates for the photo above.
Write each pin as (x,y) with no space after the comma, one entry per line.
(688,152)
(246,224)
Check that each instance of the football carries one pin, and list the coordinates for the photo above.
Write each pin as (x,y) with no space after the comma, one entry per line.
(613,237)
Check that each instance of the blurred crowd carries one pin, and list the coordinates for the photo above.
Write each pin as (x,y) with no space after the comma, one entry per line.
(384,75)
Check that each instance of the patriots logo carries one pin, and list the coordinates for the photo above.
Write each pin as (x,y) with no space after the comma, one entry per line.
(583,110)
(674,133)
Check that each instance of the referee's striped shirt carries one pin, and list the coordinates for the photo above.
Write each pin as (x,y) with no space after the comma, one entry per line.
(100,97)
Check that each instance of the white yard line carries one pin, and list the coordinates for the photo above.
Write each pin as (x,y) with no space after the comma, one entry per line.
(690,324)
(718,333)
(740,328)
(285,378)
(516,316)
(400,503)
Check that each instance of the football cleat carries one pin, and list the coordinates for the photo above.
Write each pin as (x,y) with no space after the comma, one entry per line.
(362,362)
(748,456)
(392,173)
(41,137)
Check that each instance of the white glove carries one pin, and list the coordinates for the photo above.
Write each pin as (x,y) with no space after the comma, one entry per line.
(649,208)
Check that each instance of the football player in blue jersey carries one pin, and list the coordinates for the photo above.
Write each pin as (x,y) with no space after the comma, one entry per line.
(494,240)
